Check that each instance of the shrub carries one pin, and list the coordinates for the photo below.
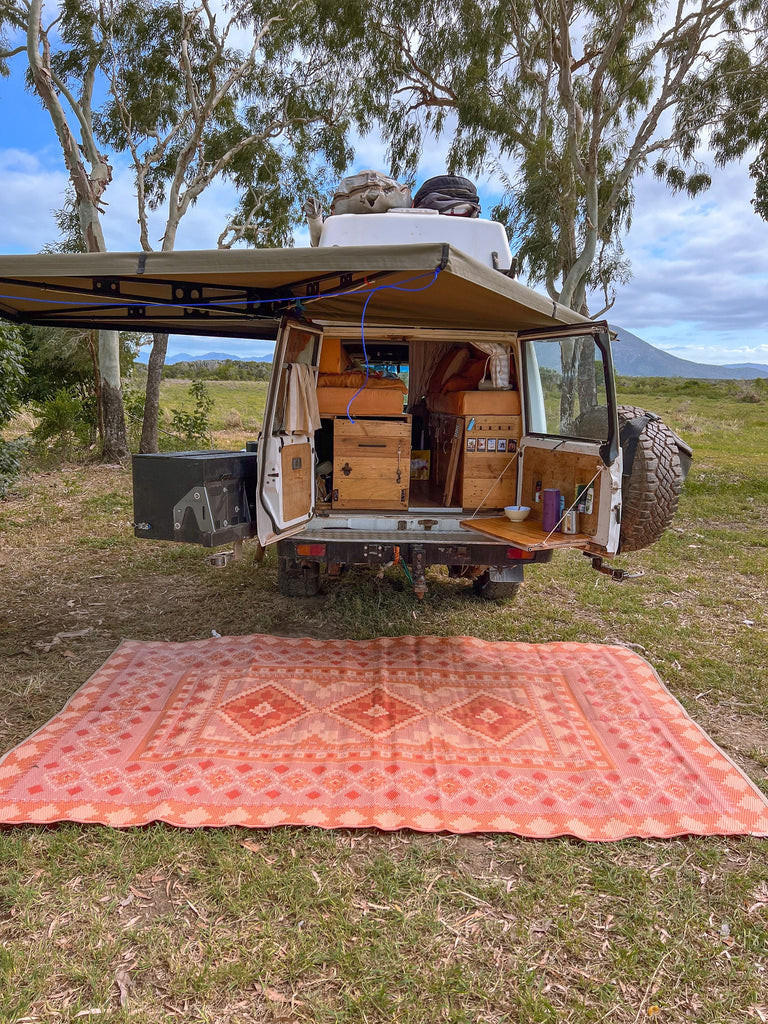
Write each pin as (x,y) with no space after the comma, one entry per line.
(66,423)
(194,428)
(11,379)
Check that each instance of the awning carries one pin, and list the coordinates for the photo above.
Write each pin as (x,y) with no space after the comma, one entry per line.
(245,292)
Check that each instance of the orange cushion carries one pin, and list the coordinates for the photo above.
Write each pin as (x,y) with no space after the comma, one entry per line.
(370,402)
(453,362)
(476,403)
(469,378)
(356,379)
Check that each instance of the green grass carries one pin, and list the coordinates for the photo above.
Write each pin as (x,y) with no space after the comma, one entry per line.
(237,404)
(292,924)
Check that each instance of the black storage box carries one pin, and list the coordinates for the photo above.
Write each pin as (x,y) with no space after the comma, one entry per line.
(203,498)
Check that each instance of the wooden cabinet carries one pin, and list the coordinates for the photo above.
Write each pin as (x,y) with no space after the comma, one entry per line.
(487,468)
(371,463)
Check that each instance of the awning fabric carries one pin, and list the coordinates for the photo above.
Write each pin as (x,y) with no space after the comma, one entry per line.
(245,292)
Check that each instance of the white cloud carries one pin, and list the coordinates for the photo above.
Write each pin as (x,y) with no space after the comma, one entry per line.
(700,272)
(30,190)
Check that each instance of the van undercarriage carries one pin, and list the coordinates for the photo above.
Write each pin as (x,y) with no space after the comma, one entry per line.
(423,538)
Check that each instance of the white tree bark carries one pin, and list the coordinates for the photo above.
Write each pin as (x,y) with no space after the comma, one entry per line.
(89,187)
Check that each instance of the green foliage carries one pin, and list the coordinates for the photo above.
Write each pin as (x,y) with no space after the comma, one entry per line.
(11,371)
(563,103)
(66,423)
(752,391)
(194,428)
(134,398)
(11,383)
(11,454)
(55,359)
(727,104)
(226,369)
(272,119)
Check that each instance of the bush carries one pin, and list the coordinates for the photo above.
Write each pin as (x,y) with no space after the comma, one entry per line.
(194,428)
(11,380)
(11,453)
(66,423)
(134,398)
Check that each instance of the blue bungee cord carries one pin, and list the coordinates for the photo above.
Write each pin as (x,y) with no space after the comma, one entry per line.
(381,288)
(299,304)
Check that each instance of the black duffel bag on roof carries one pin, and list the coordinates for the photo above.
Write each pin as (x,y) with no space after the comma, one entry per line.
(450,194)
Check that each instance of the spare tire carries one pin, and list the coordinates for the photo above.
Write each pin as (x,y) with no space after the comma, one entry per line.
(653,476)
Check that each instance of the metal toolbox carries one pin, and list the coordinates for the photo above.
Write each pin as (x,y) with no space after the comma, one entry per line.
(203,498)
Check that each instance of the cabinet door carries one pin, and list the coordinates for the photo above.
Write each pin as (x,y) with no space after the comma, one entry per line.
(371,464)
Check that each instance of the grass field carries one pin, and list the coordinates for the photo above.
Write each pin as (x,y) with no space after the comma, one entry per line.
(292,924)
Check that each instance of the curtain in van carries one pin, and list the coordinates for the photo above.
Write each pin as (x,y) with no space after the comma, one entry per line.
(423,358)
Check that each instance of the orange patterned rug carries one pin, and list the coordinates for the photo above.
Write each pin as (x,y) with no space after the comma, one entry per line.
(425,733)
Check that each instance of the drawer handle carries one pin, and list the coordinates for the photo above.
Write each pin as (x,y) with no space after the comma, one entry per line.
(370,444)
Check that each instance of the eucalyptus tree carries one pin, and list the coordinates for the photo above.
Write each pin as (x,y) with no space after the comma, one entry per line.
(193,91)
(727,103)
(198,93)
(566,100)
(44,39)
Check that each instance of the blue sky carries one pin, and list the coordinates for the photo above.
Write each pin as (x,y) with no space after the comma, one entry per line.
(700,267)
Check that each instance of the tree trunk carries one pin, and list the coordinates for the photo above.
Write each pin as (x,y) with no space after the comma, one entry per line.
(568,368)
(91,337)
(115,438)
(586,380)
(148,442)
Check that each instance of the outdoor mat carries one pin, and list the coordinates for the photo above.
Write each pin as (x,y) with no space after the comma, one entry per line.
(425,733)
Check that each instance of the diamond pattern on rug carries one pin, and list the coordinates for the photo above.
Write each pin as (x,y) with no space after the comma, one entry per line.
(376,712)
(262,711)
(426,733)
(493,718)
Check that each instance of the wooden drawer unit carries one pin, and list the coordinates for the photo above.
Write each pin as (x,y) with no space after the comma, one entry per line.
(371,463)
(489,453)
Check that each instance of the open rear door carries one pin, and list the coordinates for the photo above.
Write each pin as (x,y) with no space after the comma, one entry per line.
(570,444)
(570,432)
(285,492)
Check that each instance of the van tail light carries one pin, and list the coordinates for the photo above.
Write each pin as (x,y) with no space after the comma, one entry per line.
(310,550)
(514,554)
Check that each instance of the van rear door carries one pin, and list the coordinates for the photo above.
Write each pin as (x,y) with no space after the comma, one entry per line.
(286,490)
(570,437)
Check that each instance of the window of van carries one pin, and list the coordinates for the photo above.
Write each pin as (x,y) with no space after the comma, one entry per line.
(566,394)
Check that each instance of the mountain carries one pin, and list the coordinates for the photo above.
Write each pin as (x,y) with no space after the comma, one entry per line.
(750,366)
(184,357)
(634,357)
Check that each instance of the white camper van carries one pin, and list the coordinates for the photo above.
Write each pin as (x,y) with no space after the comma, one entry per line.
(424,406)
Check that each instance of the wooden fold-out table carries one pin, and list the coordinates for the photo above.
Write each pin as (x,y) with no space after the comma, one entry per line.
(527,535)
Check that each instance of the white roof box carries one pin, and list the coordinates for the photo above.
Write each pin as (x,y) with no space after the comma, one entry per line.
(484,240)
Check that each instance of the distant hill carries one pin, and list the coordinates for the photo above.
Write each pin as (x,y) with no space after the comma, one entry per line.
(634,357)
(207,357)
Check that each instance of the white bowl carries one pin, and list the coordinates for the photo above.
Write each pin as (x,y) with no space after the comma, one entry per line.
(517,513)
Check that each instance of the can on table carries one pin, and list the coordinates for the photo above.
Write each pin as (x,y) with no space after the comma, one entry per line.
(570,522)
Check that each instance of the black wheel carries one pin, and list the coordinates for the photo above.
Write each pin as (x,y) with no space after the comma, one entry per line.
(297,579)
(651,492)
(494,590)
